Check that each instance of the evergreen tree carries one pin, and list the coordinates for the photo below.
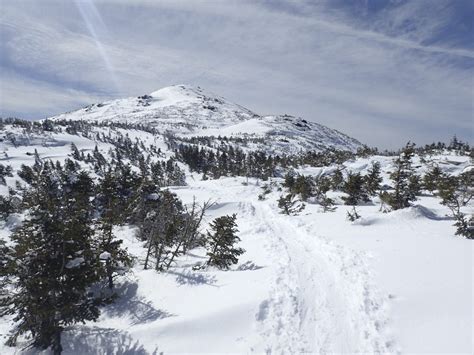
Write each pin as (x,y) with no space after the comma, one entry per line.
(9,204)
(161,226)
(321,185)
(432,179)
(108,202)
(289,180)
(5,171)
(5,264)
(290,205)
(373,179)
(54,263)
(75,152)
(355,189)
(221,242)
(406,185)
(114,258)
(303,186)
(456,192)
(464,226)
(327,204)
(337,180)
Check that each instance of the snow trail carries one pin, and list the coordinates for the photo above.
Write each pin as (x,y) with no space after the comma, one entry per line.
(321,298)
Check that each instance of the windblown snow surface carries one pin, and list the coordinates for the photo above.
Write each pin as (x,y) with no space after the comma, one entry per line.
(312,283)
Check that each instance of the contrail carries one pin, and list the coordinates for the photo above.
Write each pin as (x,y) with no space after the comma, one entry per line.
(93,21)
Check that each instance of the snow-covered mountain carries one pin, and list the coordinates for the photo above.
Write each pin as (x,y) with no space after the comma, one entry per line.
(309,283)
(190,112)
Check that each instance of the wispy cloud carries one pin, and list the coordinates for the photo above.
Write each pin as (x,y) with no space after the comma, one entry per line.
(378,81)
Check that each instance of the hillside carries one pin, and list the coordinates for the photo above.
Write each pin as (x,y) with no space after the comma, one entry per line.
(310,283)
(191,112)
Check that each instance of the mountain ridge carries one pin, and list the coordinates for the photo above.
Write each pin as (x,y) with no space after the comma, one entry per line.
(187,112)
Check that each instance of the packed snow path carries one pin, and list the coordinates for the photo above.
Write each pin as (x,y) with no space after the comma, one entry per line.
(318,296)
(321,299)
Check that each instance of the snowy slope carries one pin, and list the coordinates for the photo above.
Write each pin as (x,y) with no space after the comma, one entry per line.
(189,112)
(314,283)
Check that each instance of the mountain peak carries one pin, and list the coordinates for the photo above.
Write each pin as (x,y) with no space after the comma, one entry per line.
(179,94)
(189,111)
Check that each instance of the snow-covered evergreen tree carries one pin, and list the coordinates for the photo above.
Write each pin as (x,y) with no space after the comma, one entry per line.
(222,238)
(373,179)
(355,189)
(54,262)
(290,204)
(405,183)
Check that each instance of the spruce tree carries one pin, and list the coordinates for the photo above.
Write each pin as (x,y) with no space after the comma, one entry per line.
(405,182)
(327,204)
(373,179)
(161,221)
(290,205)
(337,180)
(75,152)
(303,186)
(221,242)
(432,179)
(54,263)
(114,258)
(355,189)
(456,192)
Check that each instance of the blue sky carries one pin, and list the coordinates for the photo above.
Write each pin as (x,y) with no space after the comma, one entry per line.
(384,72)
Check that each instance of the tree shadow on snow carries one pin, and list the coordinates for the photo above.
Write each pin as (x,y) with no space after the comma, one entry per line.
(130,304)
(248,266)
(194,278)
(197,256)
(101,341)
(430,214)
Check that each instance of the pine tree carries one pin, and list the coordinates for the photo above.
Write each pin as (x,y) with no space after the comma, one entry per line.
(5,171)
(114,258)
(355,189)
(75,152)
(327,204)
(303,186)
(55,265)
(108,202)
(221,250)
(160,225)
(290,205)
(321,185)
(5,264)
(464,227)
(337,180)
(432,179)
(406,184)
(456,192)
(289,180)
(373,179)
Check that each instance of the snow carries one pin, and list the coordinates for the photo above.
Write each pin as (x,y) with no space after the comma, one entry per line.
(172,95)
(105,255)
(316,283)
(253,126)
(321,284)
(192,112)
(73,263)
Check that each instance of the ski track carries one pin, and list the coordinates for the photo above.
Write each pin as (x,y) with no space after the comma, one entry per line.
(321,299)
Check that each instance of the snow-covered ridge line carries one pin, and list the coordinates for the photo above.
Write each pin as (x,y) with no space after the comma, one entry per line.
(189,112)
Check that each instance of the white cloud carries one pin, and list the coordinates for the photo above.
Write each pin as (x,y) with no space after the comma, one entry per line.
(321,65)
